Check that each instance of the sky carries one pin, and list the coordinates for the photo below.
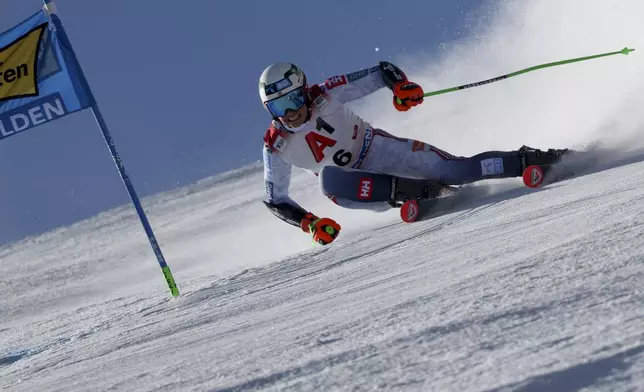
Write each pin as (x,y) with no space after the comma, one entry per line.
(177,86)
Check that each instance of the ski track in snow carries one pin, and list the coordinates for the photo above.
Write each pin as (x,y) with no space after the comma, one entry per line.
(512,290)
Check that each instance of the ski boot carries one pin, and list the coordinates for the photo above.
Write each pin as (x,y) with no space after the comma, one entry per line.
(537,166)
(416,198)
(408,188)
(531,156)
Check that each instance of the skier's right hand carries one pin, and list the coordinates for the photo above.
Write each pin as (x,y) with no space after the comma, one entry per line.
(406,95)
(323,230)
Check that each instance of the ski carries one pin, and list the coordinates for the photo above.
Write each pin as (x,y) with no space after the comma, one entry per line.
(414,210)
(537,176)
(533,175)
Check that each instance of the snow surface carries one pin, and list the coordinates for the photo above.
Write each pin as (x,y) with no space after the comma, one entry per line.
(519,289)
(515,289)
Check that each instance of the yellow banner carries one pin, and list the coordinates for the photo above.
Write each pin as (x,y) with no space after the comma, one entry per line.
(18,66)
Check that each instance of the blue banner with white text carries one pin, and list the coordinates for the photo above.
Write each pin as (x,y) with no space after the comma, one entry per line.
(40,80)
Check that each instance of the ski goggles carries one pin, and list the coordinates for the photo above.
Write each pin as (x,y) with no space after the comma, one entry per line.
(291,101)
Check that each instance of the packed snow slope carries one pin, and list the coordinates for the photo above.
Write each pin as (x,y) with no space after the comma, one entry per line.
(514,289)
(517,289)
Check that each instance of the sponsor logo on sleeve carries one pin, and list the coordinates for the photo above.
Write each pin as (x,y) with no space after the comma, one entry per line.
(352,77)
(269,190)
(335,81)
(280,144)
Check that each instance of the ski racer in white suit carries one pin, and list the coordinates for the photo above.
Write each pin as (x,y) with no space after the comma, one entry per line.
(312,128)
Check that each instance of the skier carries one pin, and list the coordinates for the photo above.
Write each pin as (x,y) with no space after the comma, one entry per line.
(313,129)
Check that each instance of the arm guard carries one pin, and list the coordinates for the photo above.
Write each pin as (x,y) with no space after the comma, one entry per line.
(290,214)
(391,74)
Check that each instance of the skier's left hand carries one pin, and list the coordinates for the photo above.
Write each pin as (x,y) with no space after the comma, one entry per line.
(406,95)
(324,230)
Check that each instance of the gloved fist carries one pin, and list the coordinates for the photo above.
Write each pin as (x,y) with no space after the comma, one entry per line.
(406,95)
(323,230)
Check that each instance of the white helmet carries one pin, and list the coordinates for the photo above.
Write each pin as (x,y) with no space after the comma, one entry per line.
(277,81)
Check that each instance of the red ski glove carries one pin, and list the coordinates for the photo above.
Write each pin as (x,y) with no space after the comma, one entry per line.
(406,95)
(323,230)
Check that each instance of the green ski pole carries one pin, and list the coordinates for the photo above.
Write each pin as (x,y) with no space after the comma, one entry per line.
(625,51)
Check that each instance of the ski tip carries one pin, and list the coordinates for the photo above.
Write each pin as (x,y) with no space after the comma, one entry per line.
(409,211)
(533,176)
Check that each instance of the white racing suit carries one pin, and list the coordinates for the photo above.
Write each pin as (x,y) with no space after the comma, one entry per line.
(335,135)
